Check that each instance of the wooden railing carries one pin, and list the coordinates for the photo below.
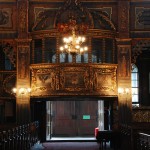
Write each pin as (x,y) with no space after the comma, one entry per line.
(19,137)
(143,141)
(126,137)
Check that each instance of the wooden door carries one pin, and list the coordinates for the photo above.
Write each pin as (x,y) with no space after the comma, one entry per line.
(63,122)
(74,118)
(87,117)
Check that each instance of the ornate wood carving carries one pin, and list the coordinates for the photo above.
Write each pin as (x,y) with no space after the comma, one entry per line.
(44,80)
(8,82)
(5,18)
(23,62)
(73,79)
(141,18)
(22,19)
(90,32)
(141,114)
(123,18)
(47,18)
(124,61)
(44,18)
(104,80)
(139,45)
(23,58)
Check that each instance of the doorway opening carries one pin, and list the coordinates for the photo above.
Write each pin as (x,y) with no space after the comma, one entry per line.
(76,119)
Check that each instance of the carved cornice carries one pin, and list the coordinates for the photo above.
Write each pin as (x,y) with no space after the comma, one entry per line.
(90,32)
(102,33)
(45,33)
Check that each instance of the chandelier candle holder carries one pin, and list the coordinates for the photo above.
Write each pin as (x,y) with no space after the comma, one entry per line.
(73,44)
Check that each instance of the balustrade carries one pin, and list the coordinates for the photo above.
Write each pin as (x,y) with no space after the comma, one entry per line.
(20,137)
(143,141)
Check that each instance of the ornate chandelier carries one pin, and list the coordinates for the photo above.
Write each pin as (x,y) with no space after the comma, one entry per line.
(74,43)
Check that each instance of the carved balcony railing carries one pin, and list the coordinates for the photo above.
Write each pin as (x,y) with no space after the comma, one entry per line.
(73,79)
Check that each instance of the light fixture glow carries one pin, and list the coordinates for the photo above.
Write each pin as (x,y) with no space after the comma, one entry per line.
(73,44)
(21,90)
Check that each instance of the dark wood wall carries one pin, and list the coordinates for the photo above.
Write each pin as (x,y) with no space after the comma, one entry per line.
(23,21)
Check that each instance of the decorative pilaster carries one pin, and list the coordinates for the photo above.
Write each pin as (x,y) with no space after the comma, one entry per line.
(23,81)
(124,63)
(124,80)
(123,19)
(23,62)
(22,18)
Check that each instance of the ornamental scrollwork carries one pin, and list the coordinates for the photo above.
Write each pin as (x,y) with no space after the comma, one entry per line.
(137,47)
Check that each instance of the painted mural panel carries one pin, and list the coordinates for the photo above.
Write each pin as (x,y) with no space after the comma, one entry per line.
(142,18)
(5,17)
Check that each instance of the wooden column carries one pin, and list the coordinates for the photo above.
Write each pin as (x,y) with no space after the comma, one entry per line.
(124,63)
(23,62)
(124,80)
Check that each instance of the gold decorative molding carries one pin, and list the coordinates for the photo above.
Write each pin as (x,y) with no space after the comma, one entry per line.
(104,80)
(90,32)
(73,79)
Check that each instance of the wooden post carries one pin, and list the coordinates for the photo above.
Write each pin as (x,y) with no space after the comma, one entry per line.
(23,62)
(124,81)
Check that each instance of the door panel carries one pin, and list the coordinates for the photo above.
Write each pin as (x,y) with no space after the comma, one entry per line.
(63,118)
(74,118)
(87,117)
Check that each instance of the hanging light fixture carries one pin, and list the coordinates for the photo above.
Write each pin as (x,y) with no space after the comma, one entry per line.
(73,43)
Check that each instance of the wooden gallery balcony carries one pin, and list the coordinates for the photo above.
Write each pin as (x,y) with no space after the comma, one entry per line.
(73,79)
